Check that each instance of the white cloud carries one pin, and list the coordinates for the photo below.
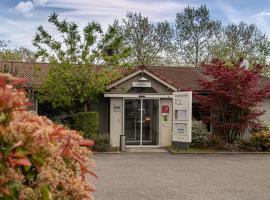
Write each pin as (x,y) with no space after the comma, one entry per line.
(40,2)
(25,7)
(262,14)
(105,11)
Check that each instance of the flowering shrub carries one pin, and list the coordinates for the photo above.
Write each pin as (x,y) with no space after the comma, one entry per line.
(39,159)
(261,140)
(199,133)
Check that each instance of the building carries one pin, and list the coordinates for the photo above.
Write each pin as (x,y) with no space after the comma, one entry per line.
(140,103)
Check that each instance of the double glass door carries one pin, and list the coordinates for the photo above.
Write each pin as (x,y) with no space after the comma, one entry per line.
(141,121)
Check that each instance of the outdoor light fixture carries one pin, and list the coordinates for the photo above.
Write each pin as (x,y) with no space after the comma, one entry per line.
(142,79)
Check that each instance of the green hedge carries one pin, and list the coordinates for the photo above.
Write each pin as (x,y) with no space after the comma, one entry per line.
(102,143)
(88,123)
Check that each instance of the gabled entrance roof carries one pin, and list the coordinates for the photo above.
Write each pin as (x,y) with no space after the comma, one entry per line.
(176,78)
(145,71)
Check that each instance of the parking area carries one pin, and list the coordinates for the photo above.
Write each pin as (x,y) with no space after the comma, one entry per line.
(163,176)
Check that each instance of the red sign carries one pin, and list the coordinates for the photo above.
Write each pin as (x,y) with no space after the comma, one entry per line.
(165,109)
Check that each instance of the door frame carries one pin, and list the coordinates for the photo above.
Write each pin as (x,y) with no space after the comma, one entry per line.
(123,118)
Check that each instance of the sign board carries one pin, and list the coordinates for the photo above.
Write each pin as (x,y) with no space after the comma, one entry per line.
(182,116)
(116,108)
(141,84)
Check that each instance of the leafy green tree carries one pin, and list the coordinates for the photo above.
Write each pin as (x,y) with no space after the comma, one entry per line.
(242,40)
(94,47)
(20,54)
(194,33)
(74,81)
(148,42)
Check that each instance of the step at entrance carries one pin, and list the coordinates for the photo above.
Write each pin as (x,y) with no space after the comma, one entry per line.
(146,150)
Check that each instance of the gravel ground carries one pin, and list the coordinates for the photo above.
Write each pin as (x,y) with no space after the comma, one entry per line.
(163,176)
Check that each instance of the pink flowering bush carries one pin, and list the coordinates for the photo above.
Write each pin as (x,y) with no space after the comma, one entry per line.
(39,159)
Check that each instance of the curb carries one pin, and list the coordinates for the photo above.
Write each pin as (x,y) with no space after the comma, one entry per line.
(110,152)
(221,152)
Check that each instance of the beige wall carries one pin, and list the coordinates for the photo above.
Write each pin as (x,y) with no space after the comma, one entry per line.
(116,122)
(165,127)
(116,118)
(265,106)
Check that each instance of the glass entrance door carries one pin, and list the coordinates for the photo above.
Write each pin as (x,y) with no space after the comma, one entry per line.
(132,121)
(141,121)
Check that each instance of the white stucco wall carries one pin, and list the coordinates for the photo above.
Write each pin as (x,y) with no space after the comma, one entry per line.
(166,126)
(266,107)
(116,122)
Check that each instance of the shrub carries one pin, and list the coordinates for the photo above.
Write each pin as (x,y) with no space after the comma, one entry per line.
(102,143)
(88,123)
(38,159)
(199,133)
(261,140)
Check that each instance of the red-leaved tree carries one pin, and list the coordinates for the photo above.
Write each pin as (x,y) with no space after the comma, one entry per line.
(233,99)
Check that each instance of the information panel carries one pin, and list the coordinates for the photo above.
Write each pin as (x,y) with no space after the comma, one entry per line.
(182,116)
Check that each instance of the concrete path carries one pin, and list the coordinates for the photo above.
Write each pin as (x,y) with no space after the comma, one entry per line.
(163,176)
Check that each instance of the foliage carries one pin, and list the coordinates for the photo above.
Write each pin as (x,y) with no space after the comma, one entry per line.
(242,40)
(73,82)
(194,33)
(199,133)
(147,42)
(233,99)
(20,54)
(93,48)
(10,70)
(88,123)
(102,143)
(39,159)
(261,140)
(74,88)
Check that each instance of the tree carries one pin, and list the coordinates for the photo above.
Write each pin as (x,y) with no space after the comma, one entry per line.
(233,99)
(148,42)
(74,81)
(93,48)
(20,54)
(242,40)
(194,33)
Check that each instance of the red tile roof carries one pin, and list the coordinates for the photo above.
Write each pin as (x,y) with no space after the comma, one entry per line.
(34,72)
(182,78)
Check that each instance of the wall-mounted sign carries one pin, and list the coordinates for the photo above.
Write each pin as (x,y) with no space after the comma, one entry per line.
(182,117)
(141,84)
(165,109)
(180,129)
(116,108)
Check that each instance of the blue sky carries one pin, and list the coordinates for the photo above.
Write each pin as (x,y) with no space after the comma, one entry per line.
(19,19)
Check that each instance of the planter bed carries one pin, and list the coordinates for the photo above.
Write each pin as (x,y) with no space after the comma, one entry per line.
(197,150)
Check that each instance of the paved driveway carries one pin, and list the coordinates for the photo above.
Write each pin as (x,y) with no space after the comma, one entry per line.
(163,176)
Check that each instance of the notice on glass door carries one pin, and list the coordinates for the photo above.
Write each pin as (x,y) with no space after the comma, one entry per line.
(182,118)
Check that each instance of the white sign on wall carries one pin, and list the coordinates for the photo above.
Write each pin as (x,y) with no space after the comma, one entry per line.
(182,116)
(141,84)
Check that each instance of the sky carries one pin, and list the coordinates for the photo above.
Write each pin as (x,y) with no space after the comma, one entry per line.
(19,19)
